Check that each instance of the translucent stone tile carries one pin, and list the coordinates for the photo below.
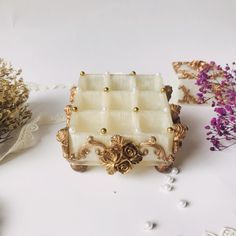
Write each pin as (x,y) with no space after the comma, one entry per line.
(153,122)
(150,100)
(120,122)
(90,100)
(91,82)
(87,122)
(148,82)
(119,100)
(121,82)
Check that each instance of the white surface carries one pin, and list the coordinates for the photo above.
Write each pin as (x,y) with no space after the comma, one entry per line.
(41,195)
(52,41)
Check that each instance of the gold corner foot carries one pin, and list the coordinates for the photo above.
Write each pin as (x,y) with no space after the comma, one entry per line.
(79,168)
(164,168)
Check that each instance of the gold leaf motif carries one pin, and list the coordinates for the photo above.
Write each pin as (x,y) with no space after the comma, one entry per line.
(179,134)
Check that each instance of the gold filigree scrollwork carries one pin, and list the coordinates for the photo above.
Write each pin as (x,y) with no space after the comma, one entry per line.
(179,134)
(187,96)
(63,138)
(168,89)
(175,111)
(166,161)
(188,70)
(122,154)
(73,91)
(68,111)
(119,156)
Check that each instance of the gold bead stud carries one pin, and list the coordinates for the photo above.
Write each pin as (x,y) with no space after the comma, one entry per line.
(106,89)
(74,109)
(135,109)
(82,73)
(133,73)
(170,129)
(163,90)
(103,130)
(153,139)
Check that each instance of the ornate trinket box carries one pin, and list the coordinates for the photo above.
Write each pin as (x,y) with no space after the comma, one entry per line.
(120,121)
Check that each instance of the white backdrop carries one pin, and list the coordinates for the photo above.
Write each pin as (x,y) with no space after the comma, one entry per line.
(52,41)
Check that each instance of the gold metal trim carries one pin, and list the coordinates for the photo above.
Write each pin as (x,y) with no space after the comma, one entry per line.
(196,66)
(180,131)
(175,112)
(168,90)
(187,96)
(120,155)
(73,92)
(68,111)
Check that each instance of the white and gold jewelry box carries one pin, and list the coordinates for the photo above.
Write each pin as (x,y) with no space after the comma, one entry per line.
(119,121)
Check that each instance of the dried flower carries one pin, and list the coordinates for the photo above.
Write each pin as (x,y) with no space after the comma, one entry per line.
(218,86)
(13,96)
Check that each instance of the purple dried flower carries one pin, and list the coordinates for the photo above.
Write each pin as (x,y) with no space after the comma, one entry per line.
(218,85)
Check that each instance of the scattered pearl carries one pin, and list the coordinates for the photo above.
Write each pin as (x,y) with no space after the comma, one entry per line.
(149,225)
(167,187)
(170,179)
(183,203)
(175,171)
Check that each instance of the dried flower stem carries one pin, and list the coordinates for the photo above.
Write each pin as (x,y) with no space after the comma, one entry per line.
(218,85)
(14,111)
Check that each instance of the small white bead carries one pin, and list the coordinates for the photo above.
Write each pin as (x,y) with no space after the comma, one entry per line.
(170,179)
(183,203)
(175,171)
(149,225)
(165,109)
(166,187)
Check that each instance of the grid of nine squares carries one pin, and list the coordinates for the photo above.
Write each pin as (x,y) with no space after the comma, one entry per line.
(109,101)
